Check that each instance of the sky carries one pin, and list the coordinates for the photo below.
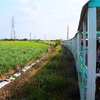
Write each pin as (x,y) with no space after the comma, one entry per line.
(40,19)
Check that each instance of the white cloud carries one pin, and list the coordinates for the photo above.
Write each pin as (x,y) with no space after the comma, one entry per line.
(29,11)
(61,17)
(31,15)
(24,1)
(38,6)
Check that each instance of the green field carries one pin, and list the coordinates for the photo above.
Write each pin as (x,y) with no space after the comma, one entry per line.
(18,53)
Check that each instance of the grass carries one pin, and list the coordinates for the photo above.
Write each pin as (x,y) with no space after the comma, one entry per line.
(20,43)
(18,53)
(57,80)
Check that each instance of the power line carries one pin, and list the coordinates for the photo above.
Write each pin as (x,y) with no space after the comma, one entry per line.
(59,9)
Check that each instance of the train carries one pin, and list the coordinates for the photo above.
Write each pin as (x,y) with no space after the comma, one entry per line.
(85,47)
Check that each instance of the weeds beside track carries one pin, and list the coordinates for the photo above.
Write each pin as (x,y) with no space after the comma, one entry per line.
(57,80)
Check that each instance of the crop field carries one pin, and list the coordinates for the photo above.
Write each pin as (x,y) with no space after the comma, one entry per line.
(18,53)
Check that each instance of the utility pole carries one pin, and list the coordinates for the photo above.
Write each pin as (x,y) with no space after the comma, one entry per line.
(34,38)
(67,32)
(12,29)
(53,37)
(30,37)
(45,37)
(14,35)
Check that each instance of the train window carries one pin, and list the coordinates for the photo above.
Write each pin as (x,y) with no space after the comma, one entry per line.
(98,19)
(97,93)
(98,56)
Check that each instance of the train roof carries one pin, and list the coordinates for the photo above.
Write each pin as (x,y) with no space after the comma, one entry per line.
(89,4)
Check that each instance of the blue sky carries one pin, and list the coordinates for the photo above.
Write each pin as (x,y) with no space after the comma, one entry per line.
(44,19)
